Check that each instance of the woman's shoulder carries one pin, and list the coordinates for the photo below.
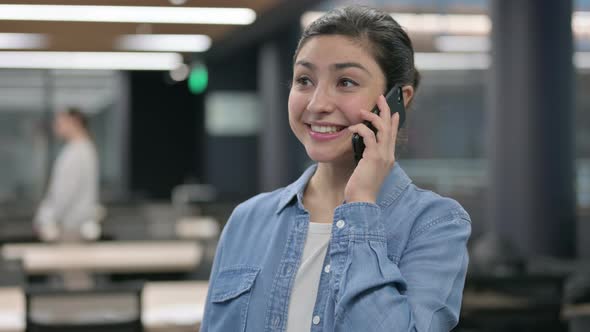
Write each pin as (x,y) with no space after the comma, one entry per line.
(82,148)
(250,220)
(260,203)
(435,203)
(257,209)
(421,214)
(428,208)
(410,205)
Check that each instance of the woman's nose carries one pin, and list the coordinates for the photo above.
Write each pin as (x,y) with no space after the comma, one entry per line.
(322,101)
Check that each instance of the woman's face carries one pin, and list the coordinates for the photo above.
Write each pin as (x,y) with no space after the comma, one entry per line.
(63,125)
(334,77)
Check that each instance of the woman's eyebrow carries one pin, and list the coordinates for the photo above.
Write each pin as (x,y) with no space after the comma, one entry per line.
(306,64)
(335,67)
(344,65)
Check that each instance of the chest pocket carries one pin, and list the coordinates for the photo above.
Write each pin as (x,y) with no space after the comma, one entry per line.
(230,297)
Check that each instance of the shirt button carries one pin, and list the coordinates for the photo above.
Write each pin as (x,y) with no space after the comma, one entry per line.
(287,270)
(316,320)
(340,223)
(327,268)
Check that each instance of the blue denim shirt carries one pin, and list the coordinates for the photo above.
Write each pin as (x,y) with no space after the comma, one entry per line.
(398,265)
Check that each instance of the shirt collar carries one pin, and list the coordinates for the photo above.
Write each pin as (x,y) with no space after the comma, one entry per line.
(395,183)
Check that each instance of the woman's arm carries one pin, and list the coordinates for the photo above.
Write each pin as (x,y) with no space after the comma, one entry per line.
(63,188)
(420,293)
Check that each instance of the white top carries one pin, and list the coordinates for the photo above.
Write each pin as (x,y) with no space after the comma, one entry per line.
(72,196)
(305,289)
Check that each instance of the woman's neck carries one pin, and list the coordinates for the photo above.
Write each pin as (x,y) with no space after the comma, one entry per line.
(78,136)
(329,182)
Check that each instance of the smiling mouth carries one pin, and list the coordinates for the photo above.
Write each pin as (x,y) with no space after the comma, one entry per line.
(326,129)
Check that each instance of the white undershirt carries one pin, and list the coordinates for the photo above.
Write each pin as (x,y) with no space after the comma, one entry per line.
(305,288)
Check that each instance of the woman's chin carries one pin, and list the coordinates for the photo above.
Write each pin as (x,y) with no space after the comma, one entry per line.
(329,156)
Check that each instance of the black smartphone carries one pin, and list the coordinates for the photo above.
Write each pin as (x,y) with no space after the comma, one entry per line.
(395,100)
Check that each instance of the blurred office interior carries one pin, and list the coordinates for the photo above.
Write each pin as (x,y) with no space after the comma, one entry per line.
(187,128)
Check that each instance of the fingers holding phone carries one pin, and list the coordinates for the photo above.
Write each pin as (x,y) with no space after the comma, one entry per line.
(388,134)
(378,136)
(378,131)
(394,103)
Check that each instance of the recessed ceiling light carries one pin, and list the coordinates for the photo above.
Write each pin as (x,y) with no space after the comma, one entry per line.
(581,23)
(451,61)
(582,60)
(455,43)
(475,61)
(173,43)
(90,60)
(137,14)
(471,24)
(180,73)
(428,23)
(23,41)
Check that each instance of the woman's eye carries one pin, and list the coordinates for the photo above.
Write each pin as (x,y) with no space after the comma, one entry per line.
(303,81)
(347,83)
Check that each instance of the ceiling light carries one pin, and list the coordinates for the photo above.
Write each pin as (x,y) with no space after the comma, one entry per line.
(582,60)
(23,41)
(90,60)
(581,23)
(451,61)
(180,73)
(456,43)
(475,61)
(440,23)
(136,14)
(428,23)
(470,24)
(173,43)
(462,43)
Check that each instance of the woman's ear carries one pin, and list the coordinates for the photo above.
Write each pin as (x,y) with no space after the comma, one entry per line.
(408,92)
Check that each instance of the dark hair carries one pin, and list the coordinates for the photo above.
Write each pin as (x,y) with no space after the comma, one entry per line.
(76,114)
(388,42)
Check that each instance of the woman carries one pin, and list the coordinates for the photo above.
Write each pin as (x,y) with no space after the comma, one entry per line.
(70,209)
(347,247)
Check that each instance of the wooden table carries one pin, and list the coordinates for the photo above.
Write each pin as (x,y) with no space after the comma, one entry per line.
(12,309)
(491,300)
(173,306)
(108,257)
(166,306)
(570,311)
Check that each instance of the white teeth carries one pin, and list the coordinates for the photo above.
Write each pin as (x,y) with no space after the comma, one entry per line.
(324,129)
